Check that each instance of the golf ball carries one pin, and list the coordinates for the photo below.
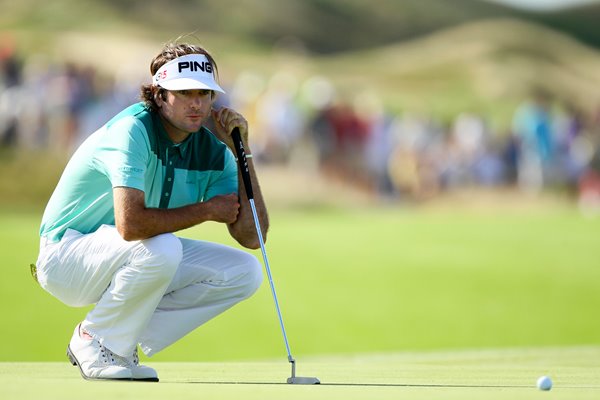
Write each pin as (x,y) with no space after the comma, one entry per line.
(544,383)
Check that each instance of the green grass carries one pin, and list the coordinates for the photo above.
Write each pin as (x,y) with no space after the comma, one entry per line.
(385,303)
(490,374)
(363,281)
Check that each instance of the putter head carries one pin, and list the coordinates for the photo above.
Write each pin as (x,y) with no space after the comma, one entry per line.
(303,380)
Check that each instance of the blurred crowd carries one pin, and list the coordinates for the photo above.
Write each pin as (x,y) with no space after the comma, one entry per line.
(46,105)
(309,123)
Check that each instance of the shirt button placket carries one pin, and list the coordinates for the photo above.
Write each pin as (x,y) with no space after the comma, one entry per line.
(168,184)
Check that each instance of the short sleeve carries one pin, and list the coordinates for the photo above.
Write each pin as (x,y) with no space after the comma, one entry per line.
(227,181)
(123,152)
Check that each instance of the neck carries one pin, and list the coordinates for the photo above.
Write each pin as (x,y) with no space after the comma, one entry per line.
(175,134)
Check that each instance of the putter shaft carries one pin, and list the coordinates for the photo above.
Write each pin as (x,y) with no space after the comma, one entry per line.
(271,284)
(243,162)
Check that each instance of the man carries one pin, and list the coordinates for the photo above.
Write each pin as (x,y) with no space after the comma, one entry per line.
(106,233)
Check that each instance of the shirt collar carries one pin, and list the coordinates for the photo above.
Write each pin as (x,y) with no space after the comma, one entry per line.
(181,148)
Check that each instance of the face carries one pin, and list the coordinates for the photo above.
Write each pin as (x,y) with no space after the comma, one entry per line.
(183,111)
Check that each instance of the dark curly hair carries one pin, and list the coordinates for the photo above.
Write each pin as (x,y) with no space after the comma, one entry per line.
(170,52)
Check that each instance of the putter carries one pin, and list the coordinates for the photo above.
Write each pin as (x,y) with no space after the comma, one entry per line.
(243,162)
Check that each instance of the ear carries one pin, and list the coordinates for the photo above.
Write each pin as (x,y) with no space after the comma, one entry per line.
(159,96)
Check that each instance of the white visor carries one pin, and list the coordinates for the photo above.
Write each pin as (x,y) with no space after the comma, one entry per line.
(193,71)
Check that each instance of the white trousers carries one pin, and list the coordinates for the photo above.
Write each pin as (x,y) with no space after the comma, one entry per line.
(150,292)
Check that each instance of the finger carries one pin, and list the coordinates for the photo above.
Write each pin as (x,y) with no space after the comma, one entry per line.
(230,119)
(227,117)
(240,123)
(221,115)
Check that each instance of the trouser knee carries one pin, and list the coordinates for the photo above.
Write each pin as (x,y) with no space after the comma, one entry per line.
(253,277)
(159,256)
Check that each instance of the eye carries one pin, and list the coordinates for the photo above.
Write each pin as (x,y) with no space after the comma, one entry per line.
(193,92)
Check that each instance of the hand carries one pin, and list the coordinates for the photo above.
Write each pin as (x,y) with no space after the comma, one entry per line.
(225,120)
(224,208)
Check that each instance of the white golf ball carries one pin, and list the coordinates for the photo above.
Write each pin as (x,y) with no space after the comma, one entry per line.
(544,383)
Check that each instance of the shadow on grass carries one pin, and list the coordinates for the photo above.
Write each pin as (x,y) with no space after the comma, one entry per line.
(407,385)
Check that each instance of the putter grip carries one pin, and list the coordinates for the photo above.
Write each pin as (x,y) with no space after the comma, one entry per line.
(243,161)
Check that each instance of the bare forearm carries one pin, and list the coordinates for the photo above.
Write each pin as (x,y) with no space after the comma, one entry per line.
(243,229)
(136,222)
(150,222)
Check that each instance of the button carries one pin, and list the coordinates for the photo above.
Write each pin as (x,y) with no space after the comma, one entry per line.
(170,162)
(168,179)
(167,194)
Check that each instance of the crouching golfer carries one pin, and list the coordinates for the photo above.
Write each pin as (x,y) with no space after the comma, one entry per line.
(106,233)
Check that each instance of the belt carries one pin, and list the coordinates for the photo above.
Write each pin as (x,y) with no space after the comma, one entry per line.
(33,270)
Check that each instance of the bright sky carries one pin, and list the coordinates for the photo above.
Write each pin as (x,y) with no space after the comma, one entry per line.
(543,4)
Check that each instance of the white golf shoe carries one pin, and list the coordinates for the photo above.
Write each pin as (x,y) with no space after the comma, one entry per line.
(96,361)
(142,372)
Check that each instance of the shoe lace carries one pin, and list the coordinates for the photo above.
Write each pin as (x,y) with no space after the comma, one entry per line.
(136,358)
(108,357)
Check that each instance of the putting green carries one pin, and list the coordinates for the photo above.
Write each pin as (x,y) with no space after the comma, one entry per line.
(477,374)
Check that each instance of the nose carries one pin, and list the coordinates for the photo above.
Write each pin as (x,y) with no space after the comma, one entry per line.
(197,101)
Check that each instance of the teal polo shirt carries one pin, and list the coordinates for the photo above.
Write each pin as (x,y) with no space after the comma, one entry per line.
(133,150)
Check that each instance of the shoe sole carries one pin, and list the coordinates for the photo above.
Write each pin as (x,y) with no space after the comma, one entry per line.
(75,363)
(144,379)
